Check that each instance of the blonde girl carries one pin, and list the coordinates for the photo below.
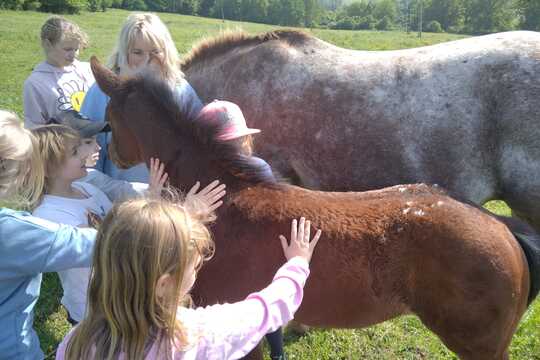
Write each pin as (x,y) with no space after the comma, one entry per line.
(28,246)
(143,37)
(60,82)
(68,200)
(146,260)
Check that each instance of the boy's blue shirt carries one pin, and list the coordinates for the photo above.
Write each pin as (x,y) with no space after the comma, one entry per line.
(94,106)
(28,247)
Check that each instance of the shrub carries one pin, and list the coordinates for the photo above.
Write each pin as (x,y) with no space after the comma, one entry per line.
(11,4)
(345,23)
(63,6)
(434,26)
(366,23)
(31,5)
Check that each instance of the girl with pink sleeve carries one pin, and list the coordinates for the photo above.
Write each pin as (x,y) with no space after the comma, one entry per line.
(147,255)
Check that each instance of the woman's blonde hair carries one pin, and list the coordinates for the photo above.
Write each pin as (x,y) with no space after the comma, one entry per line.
(53,144)
(57,28)
(17,158)
(151,29)
(139,241)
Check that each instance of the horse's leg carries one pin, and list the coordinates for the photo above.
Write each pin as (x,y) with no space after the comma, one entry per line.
(473,302)
(484,333)
(519,158)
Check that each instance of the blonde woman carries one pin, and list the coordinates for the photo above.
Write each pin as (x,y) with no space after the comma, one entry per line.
(142,38)
(146,260)
(28,246)
(60,82)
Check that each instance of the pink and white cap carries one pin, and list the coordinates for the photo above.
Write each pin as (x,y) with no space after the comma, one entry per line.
(228,114)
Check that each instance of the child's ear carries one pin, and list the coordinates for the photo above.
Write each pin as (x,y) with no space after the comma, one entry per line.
(163,285)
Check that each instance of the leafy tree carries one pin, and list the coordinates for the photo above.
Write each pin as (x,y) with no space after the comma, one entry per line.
(254,10)
(97,5)
(63,6)
(448,13)
(11,4)
(31,5)
(358,8)
(530,14)
(312,12)
(286,12)
(386,8)
(485,16)
(157,5)
(231,9)
(384,24)
(188,7)
(205,7)
(134,5)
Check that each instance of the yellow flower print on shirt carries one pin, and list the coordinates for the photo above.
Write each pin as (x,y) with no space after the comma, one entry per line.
(72,94)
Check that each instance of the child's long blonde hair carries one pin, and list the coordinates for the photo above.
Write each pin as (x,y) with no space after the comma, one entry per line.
(150,28)
(138,242)
(17,158)
(52,145)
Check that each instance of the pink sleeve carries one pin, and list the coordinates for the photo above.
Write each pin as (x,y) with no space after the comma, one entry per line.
(233,330)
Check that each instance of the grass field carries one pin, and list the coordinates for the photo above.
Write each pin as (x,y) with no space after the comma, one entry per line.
(404,338)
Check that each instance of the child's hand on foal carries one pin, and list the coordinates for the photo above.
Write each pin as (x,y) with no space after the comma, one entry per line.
(300,242)
(209,196)
(158,177)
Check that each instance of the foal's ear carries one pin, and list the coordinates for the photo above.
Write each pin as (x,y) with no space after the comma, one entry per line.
(107,80)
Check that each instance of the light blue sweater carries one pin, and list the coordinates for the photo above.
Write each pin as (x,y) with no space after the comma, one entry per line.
(93,107)
(28,247)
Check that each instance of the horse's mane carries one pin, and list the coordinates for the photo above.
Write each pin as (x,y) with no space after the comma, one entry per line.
(214,46)
(206,134)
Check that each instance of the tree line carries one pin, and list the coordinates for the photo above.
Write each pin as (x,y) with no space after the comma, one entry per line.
(455,16)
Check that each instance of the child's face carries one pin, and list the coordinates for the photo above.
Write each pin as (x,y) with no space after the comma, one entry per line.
(74,166)
(140,52)
(63,53)
(91,147)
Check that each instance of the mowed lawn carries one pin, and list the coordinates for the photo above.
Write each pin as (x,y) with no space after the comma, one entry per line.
(403,338)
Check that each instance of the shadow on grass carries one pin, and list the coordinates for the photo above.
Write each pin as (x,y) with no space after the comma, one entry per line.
(49,320)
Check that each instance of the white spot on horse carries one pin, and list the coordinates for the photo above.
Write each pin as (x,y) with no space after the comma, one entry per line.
(440,203)
(406,211)
(419,212)
(409,203)
(402,189)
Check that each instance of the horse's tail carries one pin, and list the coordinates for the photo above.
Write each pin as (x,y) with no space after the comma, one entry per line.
(529,240)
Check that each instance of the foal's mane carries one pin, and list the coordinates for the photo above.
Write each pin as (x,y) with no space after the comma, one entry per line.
(205,134)
(214,46)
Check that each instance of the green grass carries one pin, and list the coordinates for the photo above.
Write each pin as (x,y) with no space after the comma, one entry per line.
(403,338)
